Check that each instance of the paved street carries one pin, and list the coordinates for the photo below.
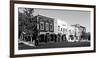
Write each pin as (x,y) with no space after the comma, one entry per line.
(55,45)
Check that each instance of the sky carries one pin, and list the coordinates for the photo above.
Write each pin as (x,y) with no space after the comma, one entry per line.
(69,16)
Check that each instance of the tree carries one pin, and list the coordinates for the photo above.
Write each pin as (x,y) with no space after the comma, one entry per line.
(24,19)
(28,11)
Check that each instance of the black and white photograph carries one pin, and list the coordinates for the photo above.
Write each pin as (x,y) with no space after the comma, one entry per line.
(70,28)
(50,28)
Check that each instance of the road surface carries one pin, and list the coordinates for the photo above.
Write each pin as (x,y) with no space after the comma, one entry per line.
(22,46)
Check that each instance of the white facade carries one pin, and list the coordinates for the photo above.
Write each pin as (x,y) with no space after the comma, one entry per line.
(76,31)
(55,26)
(60,26)
(71,31)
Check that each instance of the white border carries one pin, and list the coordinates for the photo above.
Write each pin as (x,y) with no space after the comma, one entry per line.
(34,51)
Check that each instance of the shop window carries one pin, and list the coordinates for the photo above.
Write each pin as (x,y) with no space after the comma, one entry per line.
(47,26)
(41,25)
(51,27)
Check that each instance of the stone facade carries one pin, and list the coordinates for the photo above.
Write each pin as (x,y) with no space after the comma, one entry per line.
(77,31)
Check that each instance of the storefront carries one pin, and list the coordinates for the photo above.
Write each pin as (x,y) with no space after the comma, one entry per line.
(45,26)
(76,33)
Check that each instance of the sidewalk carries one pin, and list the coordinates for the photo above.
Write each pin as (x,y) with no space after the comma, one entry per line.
(27,43)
